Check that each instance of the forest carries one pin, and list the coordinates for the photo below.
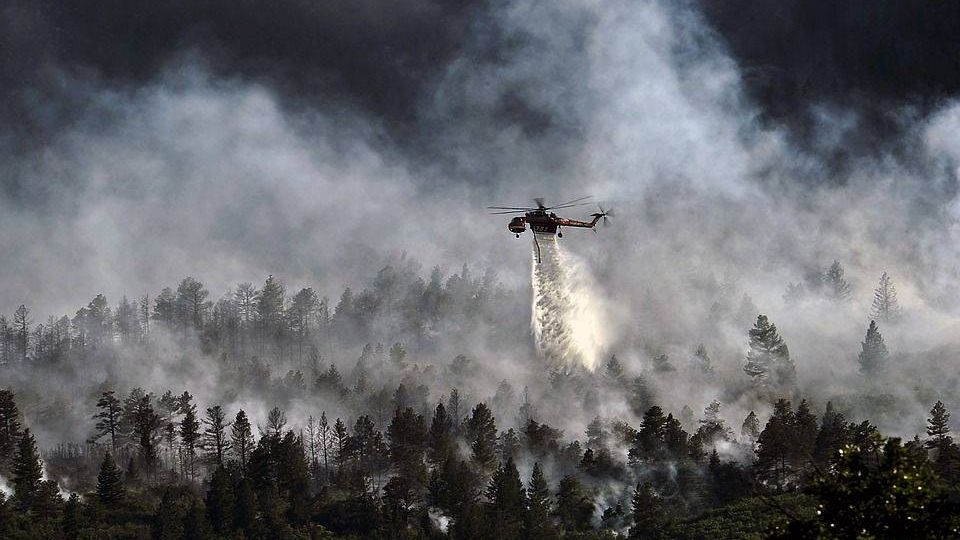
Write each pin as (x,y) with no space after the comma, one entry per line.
(271,414)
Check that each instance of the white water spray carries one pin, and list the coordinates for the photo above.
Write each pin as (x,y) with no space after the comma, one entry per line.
(567,323)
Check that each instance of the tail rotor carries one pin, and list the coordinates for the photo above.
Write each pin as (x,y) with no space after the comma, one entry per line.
(605,214)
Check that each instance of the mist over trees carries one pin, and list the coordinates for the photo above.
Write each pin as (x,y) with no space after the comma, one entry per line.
(270,412)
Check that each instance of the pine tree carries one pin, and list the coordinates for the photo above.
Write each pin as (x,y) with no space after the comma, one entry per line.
(300,314)
(675,439)
(597,436)
(215,434)
(27,472)
(482,436)
(454,410)
(613,371)
(647,512)
(835,285)
(48,503)
(712,428)
(195,525)
(71,518)
(804,433)
(276,422)
(538,525)
(270,311)
(831,437)
(648,443)
(325,439)
(241,438)
(21,329)
(873,352)
(440,436)
(574,508)
(701,361)
(340,438)
(885,306)
(109,482)
(168,520)
(165,307)
(938,428)
(775,446)
(189,433)
(108,418)
(10,427)
(146,422)
(768,359)
(507,501)
(397,354)
(245,508)
(407,434)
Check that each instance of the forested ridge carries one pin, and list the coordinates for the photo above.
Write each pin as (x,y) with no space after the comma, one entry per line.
(271,413)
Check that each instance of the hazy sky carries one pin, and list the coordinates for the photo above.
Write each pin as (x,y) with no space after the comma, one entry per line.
(145,141)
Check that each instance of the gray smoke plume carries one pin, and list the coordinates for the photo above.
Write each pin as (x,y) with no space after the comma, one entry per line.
(207,166)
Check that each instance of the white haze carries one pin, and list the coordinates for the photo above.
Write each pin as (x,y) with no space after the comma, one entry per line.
(191,175)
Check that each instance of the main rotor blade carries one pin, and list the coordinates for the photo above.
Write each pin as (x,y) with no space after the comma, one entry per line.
(566,206)
(510,208)
(570,202)
(508,212)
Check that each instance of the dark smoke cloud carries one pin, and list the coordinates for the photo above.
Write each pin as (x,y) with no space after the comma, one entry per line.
(882,64)
(797,58)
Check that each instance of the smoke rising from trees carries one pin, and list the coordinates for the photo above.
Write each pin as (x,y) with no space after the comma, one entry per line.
(351,182)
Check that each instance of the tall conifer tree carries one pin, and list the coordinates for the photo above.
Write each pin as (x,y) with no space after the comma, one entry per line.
(873,352)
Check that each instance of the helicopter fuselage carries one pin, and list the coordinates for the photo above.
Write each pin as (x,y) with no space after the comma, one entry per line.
(542,222)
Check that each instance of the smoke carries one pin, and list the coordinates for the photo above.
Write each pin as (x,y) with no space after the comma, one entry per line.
(204,163)
(567,326)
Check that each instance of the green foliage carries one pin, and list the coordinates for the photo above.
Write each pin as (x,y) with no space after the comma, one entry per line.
(538,525)
(753,518)
(891,493)
(27,472)
(108,419)
(507,504)
(482,436)
(9,427)
(241,438)
(775,447)
(220,501)
(768,360)
(574,507)
(832,435)
(440,437)
(109,482)
(647,511)
(835,285)
(873,352)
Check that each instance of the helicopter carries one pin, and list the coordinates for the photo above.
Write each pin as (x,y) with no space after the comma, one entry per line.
(543,221)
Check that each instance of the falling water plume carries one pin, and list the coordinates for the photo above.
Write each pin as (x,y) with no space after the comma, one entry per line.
(567,326)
